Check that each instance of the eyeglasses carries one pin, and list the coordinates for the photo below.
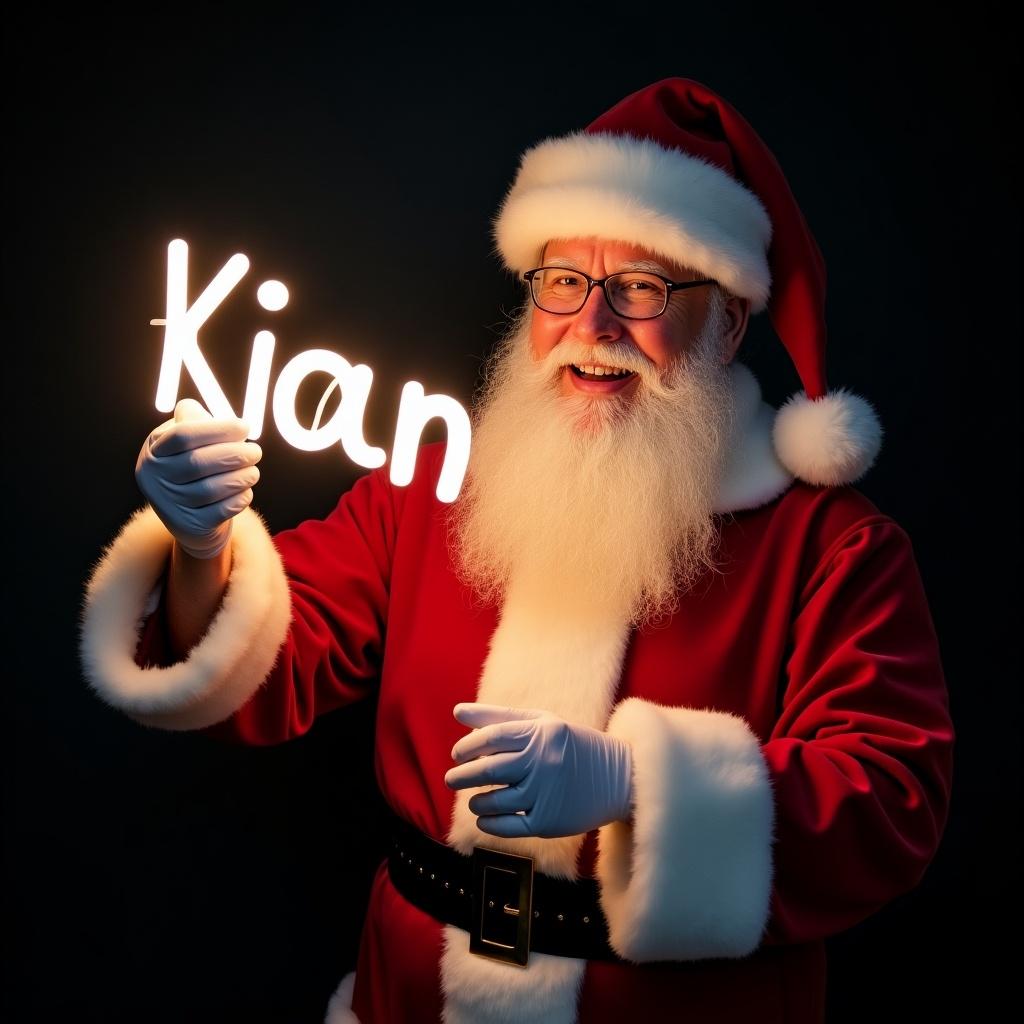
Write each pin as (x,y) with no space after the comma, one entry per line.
(630,294)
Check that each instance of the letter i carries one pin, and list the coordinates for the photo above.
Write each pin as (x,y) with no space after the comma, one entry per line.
(271,295)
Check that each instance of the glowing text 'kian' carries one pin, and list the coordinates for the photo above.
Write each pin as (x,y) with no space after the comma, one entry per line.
(181,349)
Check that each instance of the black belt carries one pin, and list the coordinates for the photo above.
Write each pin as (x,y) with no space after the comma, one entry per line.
(507,907)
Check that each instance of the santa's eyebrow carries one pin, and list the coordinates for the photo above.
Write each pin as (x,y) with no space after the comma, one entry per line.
(646,266)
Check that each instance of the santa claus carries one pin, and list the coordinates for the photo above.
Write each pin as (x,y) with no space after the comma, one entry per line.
(660,698)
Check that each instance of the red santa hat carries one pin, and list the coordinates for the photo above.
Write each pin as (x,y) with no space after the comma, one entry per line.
(676,169)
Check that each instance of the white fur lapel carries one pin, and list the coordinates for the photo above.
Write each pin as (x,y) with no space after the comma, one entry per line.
(567,660)
(564,659)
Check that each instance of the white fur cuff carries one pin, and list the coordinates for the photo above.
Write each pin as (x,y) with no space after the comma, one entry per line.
(339,1008)
(691,876)
(227,665)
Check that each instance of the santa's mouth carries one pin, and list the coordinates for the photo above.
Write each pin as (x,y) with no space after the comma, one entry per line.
(601,372)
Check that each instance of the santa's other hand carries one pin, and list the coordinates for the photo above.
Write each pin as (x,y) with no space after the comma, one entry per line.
(560,778)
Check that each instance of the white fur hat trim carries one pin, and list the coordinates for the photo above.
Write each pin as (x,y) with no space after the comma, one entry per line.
(636,190)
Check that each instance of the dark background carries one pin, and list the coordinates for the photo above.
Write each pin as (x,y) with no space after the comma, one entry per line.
(360,158)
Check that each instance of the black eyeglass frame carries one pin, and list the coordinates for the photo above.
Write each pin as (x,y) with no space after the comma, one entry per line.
(601,282)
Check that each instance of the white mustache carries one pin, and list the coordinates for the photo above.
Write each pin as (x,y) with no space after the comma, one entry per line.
(626,357)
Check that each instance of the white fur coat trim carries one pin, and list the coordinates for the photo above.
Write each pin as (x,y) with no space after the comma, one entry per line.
(567,660)
(478,990)
(690,877)
(565,657)
(230,662)
(636,190)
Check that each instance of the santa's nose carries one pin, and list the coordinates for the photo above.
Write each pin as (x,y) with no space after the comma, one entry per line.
(596,321)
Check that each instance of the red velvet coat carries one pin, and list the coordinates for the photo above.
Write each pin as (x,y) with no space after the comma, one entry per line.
(800,691)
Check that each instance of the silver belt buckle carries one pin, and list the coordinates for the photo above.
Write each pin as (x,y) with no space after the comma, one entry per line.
(502,906)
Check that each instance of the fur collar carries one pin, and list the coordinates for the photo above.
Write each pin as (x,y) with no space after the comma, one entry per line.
(754,476)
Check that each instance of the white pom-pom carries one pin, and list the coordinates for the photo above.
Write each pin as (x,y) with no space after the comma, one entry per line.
(831,441)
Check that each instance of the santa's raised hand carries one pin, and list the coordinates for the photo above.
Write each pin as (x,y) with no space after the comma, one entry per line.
(565,779)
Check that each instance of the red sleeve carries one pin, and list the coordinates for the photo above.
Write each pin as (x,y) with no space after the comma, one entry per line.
(860,758)
(338,573)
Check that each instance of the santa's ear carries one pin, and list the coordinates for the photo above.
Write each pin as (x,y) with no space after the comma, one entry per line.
(735,312)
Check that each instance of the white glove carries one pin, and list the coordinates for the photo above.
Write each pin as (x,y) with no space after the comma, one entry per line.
(568,778)
(198,473)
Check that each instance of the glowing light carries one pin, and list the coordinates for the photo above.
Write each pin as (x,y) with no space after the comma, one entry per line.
(181,330)
(272,295)
(414,411)
(258,384)
(346,425)
(181,350)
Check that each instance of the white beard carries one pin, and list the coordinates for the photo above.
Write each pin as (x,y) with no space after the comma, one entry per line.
(595,504)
